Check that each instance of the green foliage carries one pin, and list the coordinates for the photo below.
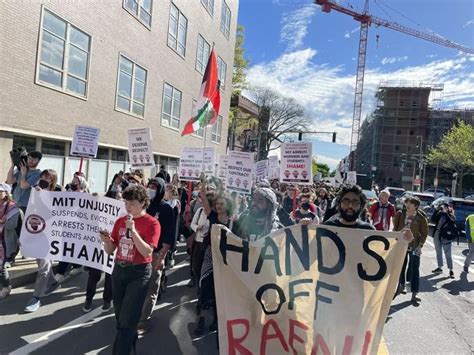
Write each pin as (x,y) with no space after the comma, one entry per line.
(320,168)
(240,62)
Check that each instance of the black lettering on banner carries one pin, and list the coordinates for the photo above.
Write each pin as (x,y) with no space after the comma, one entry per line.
(110,260)
(264,256)
(302,252)
(281,297)
(244,249)
(320,233)
(54,247)
(98,256)
(380,260)
(293,294)
(319,297)
(70,249)
(83,253)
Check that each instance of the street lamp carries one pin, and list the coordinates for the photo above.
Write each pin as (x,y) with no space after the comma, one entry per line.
(420,145)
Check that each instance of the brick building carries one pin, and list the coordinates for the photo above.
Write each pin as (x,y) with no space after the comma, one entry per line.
(113,64)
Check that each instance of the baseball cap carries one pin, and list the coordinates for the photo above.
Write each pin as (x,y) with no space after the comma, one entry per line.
(5,187)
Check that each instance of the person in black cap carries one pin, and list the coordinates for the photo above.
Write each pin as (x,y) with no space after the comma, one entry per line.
(164,174)
(24,177)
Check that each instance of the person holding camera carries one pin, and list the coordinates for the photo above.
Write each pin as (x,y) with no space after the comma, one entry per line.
(23,174)
(444,234)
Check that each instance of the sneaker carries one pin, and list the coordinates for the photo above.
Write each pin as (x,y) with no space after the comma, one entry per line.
(87,306)
(142,329)
(59,278)
(106,306)
(438,270)
(76,271)
(5,291)
(33,305)
(200,327)
(52,288)
(451,274)
(466,269)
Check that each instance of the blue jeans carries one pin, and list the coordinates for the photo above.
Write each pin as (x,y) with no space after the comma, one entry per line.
(440,247)
(130,286)
(412,272)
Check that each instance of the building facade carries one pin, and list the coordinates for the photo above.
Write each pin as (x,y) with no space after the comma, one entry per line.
(115,65)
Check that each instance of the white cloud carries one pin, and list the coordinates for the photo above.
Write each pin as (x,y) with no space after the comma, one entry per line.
(295,26)
(391,60)
(327,93)
(351,32)
(468,23)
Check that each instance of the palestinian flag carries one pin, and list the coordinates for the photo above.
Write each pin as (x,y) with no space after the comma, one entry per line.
(206,109)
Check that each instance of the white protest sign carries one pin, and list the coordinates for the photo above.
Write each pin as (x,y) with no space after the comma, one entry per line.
(139,147)
(190,164)
(351,177)
(240,170)
(296,165)
(261,170)
(64,226)
(209,161)
(85,141)
(273,168)
(222,167)
(317,177)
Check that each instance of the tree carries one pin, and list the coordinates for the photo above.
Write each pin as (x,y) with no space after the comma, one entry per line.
(278,115)
(455,152)
(240,62)
(320,168)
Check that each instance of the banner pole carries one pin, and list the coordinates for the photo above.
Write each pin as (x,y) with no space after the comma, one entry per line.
(294,198)
(190,192)
(80,164)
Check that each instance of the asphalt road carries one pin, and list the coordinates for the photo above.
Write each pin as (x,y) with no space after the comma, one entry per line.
(442,324)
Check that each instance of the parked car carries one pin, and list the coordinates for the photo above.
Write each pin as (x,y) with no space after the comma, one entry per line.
(425,199)
(395,192)
(462,209)
(470,197)
(371,197)
(436,192)
(433,206)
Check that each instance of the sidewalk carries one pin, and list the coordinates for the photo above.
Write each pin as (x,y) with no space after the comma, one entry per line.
(24,271)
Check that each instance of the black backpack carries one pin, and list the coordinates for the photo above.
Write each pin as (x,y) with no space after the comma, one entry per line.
(449,231)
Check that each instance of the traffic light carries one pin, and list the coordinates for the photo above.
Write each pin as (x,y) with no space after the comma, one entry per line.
(300,136)
(334,137)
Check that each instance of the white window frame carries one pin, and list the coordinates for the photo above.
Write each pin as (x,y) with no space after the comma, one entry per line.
(216,135)
(65,72)
(225,20)
(200,132)
(177,29)
(132,100)
(201,67)
(139,9)
(221,71)
(209,6)
(164,122)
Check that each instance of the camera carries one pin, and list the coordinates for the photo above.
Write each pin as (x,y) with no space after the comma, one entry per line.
(19,156)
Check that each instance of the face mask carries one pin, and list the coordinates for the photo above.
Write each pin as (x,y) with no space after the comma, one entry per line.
(151,193)
(43,184)
(74,187)
(305,206)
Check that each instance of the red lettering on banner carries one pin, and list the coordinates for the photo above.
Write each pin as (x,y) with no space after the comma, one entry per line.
(292,337)
(347,350)
(320,342)
(235,344)
(368,338)
(277,334)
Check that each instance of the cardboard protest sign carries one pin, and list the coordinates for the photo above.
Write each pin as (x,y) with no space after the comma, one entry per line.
(85,141)
(222,167)
(261,170)
(273,168)
(190,164)
(296,165)
(139,147)
(240,170)
(351,177)
(209,160)
(305,289)
(64,226)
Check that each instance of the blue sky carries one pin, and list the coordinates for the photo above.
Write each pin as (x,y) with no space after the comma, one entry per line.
(299,51)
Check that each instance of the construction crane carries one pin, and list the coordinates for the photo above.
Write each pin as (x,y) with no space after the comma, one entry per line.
(366,19)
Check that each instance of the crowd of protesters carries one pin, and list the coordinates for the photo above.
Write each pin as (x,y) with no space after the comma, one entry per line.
(162,210)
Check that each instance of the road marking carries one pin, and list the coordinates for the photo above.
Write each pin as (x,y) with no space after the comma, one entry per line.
(454,259)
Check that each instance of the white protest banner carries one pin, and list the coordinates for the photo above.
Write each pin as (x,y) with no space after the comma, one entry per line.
(351,177)
(85,141)
(64,226)
(261,170)
(209,160)
(139,147)
(296,165)
(240,170)
(273,168)
(222,167)
(190,164)
(305,289)
(317,177)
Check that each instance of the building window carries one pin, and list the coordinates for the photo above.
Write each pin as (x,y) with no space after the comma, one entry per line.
(171,112)
(217,130)
(63,63)
(102,153)
(397,147)
(141,9)
(24,141)
(222,71)
(399,131)
(177,29)
(119,155)
(202,54)
(412,132)
(200,131)
(52,147)
(225,20)
(131,87)
(209,5)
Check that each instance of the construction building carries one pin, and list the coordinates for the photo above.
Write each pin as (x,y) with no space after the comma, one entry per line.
(113,65)
(396,137)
